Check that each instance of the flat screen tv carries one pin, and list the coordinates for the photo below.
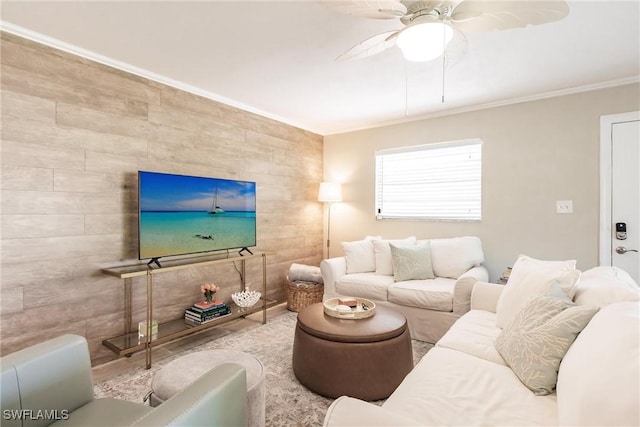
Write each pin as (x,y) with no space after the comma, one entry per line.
(180,215)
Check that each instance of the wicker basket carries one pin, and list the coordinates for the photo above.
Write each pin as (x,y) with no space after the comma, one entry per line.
(302,294)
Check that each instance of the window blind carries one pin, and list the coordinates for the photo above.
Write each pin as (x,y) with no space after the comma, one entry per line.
(435,181)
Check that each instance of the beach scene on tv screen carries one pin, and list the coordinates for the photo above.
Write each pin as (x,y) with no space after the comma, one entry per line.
(185,214)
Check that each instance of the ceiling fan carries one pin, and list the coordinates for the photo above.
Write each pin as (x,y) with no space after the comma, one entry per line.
(430,26)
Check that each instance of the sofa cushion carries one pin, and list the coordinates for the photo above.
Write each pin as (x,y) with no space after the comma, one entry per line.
(359,255)
(449,387)
(365,285)
(599,377)
(411,262)
(529,278)
(539,336)
(451,257)
(474,333)
(434,294)
(382,252)
(605,285)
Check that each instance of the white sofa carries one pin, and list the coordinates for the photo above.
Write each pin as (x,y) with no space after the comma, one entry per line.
(431,305)
(464,379)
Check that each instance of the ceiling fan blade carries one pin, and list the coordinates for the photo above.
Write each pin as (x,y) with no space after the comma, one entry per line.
(376,9)
(370,46)
(480,15)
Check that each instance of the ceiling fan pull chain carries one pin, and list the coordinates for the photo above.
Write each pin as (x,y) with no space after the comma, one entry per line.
(406,89)
(443,68)
(444,57)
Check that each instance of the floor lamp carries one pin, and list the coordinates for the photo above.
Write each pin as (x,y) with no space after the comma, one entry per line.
(329,192)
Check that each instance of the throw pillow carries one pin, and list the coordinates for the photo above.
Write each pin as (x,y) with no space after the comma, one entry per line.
(382,252)
(530,277)
(454,256)
(359,255)
(604,285)
(411,262)
(534,344)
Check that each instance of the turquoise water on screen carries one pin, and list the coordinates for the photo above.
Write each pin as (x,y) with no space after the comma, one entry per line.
(176,233)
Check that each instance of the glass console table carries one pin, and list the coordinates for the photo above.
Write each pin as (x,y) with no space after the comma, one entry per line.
(130,342)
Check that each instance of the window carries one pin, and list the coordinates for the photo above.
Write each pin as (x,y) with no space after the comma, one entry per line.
(434,181)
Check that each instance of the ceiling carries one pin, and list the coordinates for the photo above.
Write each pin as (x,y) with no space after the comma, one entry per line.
(277,58)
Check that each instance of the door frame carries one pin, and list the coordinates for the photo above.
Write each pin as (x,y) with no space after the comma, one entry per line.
(606,123)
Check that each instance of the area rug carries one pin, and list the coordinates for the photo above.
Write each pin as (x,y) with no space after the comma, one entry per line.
(288,403)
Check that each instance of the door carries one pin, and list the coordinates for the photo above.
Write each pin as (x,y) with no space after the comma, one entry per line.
(623,174)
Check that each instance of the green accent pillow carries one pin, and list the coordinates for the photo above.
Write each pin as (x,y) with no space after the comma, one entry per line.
(411,262)
(534,344)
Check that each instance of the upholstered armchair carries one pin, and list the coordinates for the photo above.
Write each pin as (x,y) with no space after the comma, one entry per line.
(51,384)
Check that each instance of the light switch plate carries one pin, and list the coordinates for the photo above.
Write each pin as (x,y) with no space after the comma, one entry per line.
(564,206)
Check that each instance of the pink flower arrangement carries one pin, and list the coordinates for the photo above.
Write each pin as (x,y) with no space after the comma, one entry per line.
(208,290)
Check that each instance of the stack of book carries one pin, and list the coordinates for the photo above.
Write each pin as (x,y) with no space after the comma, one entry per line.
(505,276)
(202,312)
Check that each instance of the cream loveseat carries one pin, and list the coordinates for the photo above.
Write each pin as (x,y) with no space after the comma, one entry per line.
(429,281)
(465,380)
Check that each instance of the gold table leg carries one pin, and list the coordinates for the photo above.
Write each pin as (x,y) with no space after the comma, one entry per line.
(243,277)
(264,289)
(127,305)
(149,318)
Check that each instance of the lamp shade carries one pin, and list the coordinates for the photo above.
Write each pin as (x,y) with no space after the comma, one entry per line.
(424,41)
(330,192)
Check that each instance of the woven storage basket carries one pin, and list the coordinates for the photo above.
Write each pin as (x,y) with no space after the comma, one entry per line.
(302,294)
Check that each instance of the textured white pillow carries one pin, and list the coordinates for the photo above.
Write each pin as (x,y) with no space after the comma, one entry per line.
(529,278)
(599,377)
(359,255)
(539,336)
(382,252)
(411,262)
(605,285)
(454,256)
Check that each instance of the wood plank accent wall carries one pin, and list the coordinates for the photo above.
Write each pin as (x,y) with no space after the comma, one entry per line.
(74,135)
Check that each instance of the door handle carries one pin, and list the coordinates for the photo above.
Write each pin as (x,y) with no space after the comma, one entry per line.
(622,250)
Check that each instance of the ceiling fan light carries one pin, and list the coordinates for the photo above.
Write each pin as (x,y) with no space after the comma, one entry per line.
(424,41)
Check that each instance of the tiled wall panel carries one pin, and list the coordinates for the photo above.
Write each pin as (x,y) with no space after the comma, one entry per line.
(74,135)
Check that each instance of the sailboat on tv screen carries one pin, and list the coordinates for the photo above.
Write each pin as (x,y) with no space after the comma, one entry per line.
(215,209)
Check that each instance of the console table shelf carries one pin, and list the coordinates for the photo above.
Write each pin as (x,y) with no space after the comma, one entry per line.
(124,345)
(129,342)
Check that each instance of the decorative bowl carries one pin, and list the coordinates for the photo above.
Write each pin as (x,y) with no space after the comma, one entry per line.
(245,299)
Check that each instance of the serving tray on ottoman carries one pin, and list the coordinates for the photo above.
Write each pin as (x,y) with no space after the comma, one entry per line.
(363,308)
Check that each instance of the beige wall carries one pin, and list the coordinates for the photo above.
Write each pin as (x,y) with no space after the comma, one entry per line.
(74,135)
(534,153)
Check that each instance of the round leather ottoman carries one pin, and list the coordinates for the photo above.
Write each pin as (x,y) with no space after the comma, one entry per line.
(363,358)
(179,373)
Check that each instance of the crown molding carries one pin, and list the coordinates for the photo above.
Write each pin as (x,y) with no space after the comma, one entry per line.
(122,66)
(140,72)
(500,103)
